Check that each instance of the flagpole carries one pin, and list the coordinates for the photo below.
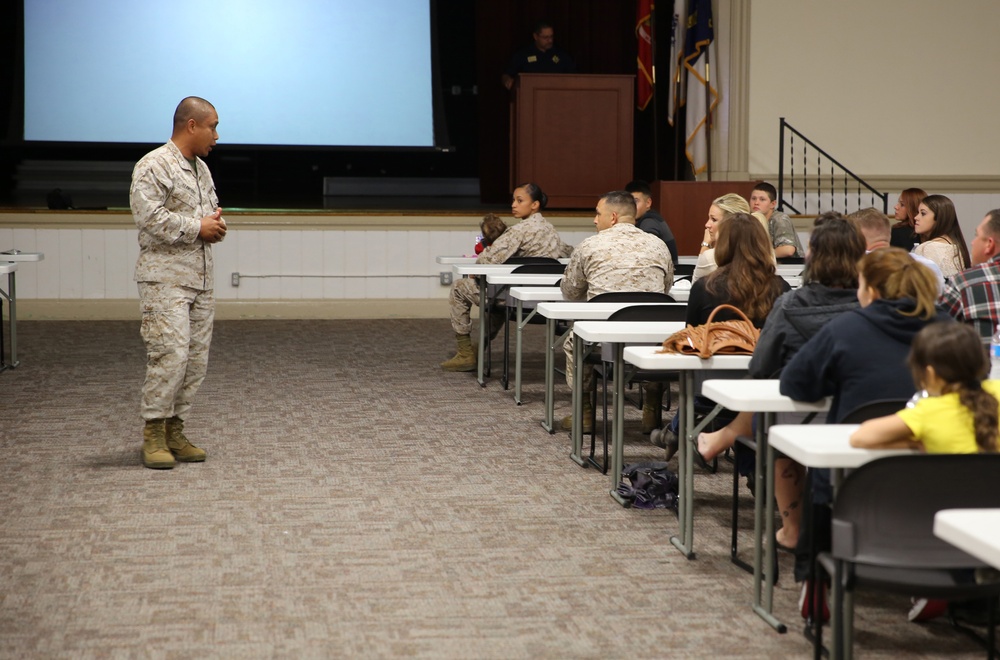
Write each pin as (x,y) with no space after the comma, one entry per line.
(656,115)
(678,142)
(708,108)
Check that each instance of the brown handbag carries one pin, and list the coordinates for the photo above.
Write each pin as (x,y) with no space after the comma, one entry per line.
(715,337)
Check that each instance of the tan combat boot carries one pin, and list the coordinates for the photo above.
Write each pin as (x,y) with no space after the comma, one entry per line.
(652,407)
(465,358)
(154,446)
(588,418)
(178,444)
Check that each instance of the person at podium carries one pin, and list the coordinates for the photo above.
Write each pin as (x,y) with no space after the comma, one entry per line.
(541,56)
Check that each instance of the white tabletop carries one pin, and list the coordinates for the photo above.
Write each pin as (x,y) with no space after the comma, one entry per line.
(647,358)
(586,311)
(754,395)
(629,332)
(452,261)
(487,269)
(536,293)
(688,260)
(790,270)
(976,531)
(524,279)
(7,267)
(824,445)
(17,255)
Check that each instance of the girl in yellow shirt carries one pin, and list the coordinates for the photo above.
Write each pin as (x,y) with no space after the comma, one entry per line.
(960,413)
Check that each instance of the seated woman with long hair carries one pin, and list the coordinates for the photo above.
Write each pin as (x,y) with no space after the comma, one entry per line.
(941,235)
(906,209)
(860,357)
(829,288)
(746,279)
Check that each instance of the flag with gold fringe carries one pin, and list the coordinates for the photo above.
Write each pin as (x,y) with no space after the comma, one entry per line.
(701,96)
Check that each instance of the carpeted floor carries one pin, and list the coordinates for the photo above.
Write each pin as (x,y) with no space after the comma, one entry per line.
(357,501)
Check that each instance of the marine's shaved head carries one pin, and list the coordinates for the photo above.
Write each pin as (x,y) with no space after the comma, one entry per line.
(192,107)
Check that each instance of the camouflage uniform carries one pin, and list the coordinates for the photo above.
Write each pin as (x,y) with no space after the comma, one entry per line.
(532,237)
(620,258)
(169,197)
(783,233)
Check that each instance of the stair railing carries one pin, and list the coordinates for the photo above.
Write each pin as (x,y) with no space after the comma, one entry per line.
(800,187)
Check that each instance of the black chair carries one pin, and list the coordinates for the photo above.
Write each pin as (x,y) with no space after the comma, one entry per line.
(539,268)
(683,271)
(494,292)
(638,312)
(633,296)
(883,521)
(791,260)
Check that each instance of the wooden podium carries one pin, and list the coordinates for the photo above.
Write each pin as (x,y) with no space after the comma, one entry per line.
(684,205)
(572,135)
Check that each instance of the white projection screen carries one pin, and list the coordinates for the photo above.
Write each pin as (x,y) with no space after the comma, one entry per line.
(280,72)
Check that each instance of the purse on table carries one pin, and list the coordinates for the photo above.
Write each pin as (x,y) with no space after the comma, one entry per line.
(736,337)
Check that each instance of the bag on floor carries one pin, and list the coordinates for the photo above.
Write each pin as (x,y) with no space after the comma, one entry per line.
(649,485)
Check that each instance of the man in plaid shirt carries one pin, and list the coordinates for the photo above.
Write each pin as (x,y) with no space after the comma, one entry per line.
(973,295)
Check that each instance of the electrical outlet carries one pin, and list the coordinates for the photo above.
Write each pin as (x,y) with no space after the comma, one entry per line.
(236,279)
(445,276)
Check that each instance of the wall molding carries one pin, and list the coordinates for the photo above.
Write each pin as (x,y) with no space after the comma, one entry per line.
(43,309)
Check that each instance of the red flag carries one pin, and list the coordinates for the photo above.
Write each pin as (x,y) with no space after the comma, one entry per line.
(644,60)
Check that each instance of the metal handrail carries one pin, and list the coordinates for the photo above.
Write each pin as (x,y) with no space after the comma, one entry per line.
(818,178)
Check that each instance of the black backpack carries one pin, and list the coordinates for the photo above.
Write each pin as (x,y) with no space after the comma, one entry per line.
(649,485)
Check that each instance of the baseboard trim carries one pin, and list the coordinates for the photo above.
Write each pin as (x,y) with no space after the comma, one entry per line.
(41,309)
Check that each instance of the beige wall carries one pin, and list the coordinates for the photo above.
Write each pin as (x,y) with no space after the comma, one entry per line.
(891,88)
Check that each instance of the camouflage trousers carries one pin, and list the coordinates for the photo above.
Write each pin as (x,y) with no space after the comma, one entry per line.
(177,331)
(464,294)
(463,297)
(588,370)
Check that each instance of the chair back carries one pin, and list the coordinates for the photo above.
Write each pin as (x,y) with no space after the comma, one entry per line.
(540,269)
(884,512)
(873,409)
(675,312)
(633,296)
(531,260)
(682,271)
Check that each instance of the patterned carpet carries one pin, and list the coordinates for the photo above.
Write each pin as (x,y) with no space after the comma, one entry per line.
(357,501)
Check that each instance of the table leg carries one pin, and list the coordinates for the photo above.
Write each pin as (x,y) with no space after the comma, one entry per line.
(618,423)
(684,541)
(12,301)
(483,316)
(764,528)
(550,331)
(578,394)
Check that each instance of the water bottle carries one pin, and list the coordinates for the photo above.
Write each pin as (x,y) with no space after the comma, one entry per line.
(995,355)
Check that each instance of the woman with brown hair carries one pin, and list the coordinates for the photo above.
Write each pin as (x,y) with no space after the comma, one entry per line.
(745,277)
(903,235)
(829,288)
(942,240)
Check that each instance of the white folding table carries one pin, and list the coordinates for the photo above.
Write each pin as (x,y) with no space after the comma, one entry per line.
(761,396)
(13,257)
(649,358)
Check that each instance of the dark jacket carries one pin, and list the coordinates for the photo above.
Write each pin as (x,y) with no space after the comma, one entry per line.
(794,319)
(858,357)
(652,222)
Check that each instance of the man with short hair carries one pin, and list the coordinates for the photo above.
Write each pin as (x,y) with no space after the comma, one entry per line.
(175,207)
(973,295)
(764,198)
(541,56)
(648,219)
(620,257)
(875,227)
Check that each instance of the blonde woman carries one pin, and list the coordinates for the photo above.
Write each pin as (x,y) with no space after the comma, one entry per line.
(720,210)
